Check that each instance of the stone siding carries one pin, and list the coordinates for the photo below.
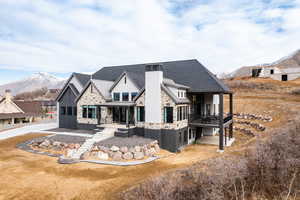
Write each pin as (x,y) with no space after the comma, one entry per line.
(92,97)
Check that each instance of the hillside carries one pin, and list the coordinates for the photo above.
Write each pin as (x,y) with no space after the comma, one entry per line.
(291,61)
(33,82)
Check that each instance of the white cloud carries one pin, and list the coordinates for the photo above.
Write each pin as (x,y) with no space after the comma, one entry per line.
(84,35)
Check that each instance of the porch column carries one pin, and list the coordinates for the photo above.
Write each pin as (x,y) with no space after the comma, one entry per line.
(221,123)
(127,116)
(231,113)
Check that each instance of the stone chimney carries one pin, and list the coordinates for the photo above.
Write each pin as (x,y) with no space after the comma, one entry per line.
(153,81)
(8,96)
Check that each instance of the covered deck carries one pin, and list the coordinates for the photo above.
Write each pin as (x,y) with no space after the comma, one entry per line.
(221,120)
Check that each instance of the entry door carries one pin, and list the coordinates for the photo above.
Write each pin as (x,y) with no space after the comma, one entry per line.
(123,114)
(198,132)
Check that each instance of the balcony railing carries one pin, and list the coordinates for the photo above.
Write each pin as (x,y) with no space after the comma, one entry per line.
(208,119)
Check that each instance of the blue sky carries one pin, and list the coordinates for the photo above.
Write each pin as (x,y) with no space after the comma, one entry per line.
(62,36)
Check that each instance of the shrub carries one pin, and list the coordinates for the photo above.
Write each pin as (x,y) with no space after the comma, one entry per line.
(271,170)
(240,84)
(296,92)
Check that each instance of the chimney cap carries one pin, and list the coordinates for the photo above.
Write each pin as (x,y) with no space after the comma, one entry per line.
(154,67)
(7,90)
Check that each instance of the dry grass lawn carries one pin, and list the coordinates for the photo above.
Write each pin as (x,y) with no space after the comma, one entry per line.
(30,176)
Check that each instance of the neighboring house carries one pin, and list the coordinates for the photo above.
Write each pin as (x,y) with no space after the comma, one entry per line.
(278,73)
(174,102)
(16,112)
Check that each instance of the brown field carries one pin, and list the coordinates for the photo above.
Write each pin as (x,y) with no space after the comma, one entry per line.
(30,176)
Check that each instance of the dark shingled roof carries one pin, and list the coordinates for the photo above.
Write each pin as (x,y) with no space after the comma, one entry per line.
(190,73)
(30,107)
(82,78)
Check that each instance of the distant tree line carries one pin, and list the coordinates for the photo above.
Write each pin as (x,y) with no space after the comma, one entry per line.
(42,93)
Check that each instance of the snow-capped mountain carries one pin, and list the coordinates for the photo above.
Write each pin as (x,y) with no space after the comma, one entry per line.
(33,82)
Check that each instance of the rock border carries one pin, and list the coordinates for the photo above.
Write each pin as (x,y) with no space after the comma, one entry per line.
(25,146)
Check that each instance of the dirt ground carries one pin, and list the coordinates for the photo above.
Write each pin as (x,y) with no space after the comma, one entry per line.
(29,176)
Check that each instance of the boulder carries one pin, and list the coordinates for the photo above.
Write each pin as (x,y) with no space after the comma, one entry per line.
(71,146)
(114,148)
(124,149)
(152,151)
(45,144)
(95,148)
(117,155)
(110,153)
(77,146)
(137,149)
(127,156)
(131,149)
(156,147)
(70,152)
(85,156)
(102,156)
(56,144)
(138,155)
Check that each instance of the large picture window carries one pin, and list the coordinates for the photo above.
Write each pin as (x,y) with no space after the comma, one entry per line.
(92,112)
(140,113)
(168,114)
(125,96)
(116,96)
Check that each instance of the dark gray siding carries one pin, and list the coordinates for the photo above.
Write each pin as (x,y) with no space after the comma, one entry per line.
(68,99)
(170,140)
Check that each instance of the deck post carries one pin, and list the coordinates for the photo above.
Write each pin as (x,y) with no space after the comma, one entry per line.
(231,113)
(127,116)
(221,123)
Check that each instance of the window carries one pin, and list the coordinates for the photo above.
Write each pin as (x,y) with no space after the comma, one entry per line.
(215,110)
(140,113)
(84,111)
(92,112)
(133,95)
(116,96)
(69,110)
(75,111)
(62,110)
(125,96)
(125,79)
(178,94)
(272,71)
(190,133)
(168,114)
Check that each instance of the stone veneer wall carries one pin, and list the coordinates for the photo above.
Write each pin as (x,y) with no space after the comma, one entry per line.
(92,97)
(166,100)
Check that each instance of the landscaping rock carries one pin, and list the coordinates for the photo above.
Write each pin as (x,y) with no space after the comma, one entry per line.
(77,146)
(124,149)
(131,149)
(137,149)
(71,146)
(85,156)
(95,148)
(102,155)
(56,144)
(152,151)
(147,152)
(114,148)
(70,152)
(45,144)
(127,156)
(117,155)
(157,148)
(138,155)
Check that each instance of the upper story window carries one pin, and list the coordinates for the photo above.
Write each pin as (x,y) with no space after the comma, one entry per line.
(272,71)
(133,95)
(69,110)
(116,96)
(125,80)
(125,96)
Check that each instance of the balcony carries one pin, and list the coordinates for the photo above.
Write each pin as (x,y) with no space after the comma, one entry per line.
(208,120)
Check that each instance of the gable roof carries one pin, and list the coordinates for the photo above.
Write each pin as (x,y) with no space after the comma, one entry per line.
(134,77)
(101,86)
(189,73)
(82,79)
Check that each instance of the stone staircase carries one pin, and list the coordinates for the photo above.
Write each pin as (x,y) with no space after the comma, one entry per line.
(89,143)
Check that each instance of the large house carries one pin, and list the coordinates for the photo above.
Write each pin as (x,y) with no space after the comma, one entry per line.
(174,102)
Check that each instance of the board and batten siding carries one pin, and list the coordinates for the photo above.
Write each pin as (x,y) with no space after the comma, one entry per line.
(122,87)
